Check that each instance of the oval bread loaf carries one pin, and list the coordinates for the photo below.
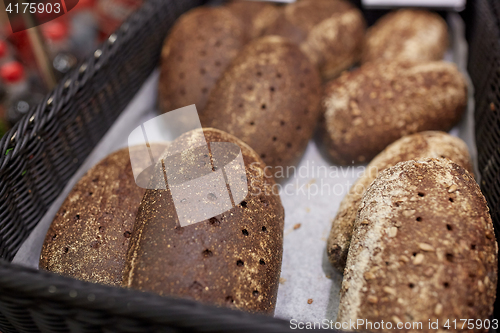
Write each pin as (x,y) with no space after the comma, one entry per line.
(424,249)
(255,15)
(269,98)
(330,32)
(373,106)
(233,259)
(195,54)
(431,144)
(407,34)
(89,236)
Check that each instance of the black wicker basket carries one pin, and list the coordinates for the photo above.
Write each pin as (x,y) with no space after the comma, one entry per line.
(483,34)
(42,152)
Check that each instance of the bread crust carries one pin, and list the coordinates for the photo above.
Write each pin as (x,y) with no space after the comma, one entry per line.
(269,98)
(89,236)
(330,32)
(198,49)
(407,34)
(256,16)
(430,144)
(367,109)
(433,255)
(233,259)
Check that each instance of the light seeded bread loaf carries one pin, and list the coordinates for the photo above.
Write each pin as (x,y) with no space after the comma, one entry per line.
(233,259)
(195,54)
(407,34)
(89,236)
(330,32)
(369,108)
(269,98)
(255,15)
(423,249)
(412,147)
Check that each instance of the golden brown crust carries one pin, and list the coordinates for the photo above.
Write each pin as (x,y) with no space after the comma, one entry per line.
(196,52)
(269,98)
(330,32)
(407,34)
(367,109)
(89,236)
(233,259)
(256,16)
(424,248)
(417,146)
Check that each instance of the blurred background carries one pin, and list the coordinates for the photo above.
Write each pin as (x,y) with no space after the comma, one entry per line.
(33,61)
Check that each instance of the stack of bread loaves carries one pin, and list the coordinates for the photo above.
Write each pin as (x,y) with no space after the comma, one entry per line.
(413,236)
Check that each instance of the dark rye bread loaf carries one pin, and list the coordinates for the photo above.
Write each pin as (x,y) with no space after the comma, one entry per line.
(424,249)
(367,109)
(330,32)
(254,15)
(195,54)
(233,259)
(407,34)
(269,98)
(431,144)
(89,236)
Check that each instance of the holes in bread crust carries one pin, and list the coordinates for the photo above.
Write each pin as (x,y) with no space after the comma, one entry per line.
(262,262)
(449,257)
(289,145)
(196,286)
(282,123)
(263,106)
(214,221)
(240,263)
(421,194)
(127,234)
(252,123)
(449,227)
(411,285)
(54,237)
(229,300)
(65,250)
(446,284)
(262,155)
(204,90)
(255,293)
(272,89)
(275,138)
(244,232)
(473,246)
(451,200)
(77,217)
(207,253)
(264,229)
(419,219)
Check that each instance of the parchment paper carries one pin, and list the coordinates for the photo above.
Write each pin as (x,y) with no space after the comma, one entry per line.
(311,198)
